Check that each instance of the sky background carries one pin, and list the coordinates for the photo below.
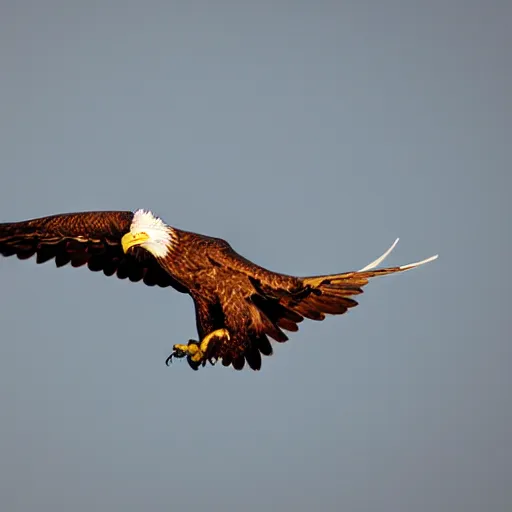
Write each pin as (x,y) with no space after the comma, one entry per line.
(310,135)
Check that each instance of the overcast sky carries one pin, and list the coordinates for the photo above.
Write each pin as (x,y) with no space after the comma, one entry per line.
(310,135)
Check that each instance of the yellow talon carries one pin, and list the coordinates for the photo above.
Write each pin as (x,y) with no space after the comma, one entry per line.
(181,348)
(195,351)
(197,356)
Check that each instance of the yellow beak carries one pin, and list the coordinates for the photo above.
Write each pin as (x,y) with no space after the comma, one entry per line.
(131,239)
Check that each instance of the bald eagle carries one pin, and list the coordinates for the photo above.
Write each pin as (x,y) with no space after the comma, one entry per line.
(238,304)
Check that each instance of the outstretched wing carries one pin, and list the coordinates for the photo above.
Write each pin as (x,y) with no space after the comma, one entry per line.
(279,302)
(326,295)
(88,238)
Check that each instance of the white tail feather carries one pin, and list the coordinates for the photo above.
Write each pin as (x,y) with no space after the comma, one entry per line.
(418,263)
(380,259)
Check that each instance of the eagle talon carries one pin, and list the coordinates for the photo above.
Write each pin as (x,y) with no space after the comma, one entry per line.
(197,354)
(176,354)
(179,352)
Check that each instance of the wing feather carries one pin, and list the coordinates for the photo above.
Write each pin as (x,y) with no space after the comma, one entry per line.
(253,357)
(91,239)
(238,362)
(330,294)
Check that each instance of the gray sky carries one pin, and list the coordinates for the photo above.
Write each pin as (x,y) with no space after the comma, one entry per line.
(309,135)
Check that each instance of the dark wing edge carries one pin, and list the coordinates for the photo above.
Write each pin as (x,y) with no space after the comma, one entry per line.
(284,311)
(91,239)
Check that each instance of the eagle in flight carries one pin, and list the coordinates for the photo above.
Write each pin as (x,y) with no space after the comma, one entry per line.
(238,304)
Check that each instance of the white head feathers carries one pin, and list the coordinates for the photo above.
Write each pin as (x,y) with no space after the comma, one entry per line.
(160,234)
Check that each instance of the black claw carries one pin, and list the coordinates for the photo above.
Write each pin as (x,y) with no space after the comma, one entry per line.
(178,354)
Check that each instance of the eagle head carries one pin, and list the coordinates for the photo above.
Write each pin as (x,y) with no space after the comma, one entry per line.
(150,233)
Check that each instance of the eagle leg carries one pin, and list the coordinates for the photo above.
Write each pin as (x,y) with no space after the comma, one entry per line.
(198,352)
(221,334)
